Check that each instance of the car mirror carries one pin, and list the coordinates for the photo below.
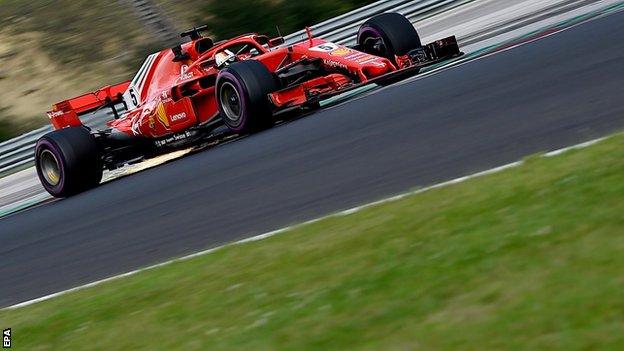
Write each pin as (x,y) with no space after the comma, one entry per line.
(276,42)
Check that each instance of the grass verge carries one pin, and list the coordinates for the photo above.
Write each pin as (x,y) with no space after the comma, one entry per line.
(530,258)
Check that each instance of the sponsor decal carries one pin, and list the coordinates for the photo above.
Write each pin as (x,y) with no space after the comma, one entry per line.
(332,49)
(363,58)
(373,60)
(54,114)
(178,117)
(184,75)
(173,138)
(165,97)
(137,119)
(164,118)
(334,64)
(151,122)
(356,55)
(161,114)
(341,51)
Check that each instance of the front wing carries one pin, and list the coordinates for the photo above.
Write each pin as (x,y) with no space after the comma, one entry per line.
(429,55)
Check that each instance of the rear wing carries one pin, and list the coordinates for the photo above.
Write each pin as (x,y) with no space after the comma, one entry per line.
(66,113)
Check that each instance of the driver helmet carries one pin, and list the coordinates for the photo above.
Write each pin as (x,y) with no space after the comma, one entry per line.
(224,58)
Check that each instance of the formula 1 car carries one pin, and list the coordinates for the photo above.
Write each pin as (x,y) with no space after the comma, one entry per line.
(185,95)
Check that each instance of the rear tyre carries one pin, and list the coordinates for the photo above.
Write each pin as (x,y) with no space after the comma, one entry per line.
(68,161)
(389,35)
(242,96)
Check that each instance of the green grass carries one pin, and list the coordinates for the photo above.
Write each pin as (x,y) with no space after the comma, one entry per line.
(530,258)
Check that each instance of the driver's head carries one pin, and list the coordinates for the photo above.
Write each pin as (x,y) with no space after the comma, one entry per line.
(224,58)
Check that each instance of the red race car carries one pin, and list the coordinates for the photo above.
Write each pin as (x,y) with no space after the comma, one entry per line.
(202,90)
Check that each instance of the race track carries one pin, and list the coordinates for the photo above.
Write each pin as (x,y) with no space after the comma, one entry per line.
(558,91)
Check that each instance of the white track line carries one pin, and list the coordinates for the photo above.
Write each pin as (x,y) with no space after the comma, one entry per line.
(574,147)
(286,229)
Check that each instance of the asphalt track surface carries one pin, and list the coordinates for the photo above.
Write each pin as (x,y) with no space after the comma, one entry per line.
(558,91)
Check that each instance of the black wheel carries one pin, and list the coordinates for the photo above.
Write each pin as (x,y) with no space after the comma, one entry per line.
(68,161)
(388,35)
(242,96)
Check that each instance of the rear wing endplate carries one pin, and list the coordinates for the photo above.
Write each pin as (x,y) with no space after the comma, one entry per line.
(66,113)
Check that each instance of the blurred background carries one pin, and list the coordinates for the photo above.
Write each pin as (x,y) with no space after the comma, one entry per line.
(54,49)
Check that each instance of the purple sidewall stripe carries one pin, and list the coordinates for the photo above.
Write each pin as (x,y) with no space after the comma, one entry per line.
(366,31)
(242,91)
(44,144)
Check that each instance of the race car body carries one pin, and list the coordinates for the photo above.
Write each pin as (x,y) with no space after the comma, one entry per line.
(182,95)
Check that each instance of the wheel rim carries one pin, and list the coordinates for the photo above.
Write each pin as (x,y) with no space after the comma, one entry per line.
(231,102)
(373,41)
(377,45)
(50,167)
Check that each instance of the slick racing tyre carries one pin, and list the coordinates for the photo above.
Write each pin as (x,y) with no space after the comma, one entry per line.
(68,161)
(242,96)
(388,35)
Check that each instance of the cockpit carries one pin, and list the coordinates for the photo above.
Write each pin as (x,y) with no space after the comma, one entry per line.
(240,48)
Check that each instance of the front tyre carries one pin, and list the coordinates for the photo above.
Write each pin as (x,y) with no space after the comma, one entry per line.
(68,161)
(388,35)
(242,96)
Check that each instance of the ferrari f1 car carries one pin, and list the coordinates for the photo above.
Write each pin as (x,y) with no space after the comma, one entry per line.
(200,90)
